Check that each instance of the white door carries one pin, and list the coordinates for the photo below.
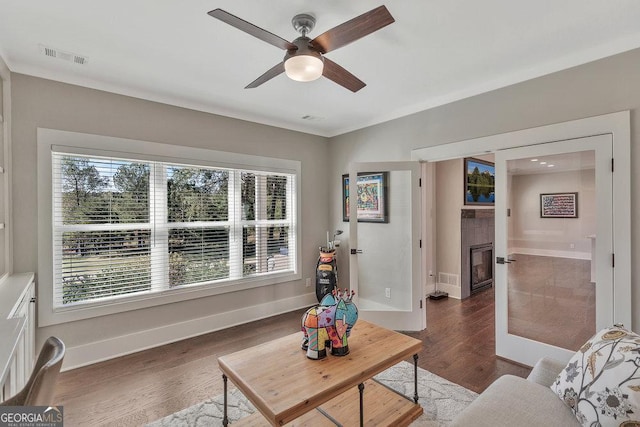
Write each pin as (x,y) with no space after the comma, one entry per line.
(554,227)
(385,243)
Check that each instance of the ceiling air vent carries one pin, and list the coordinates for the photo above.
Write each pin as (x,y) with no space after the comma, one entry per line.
(64,55)
(50,52)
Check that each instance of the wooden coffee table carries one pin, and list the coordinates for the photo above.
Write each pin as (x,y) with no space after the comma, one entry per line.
(284,385)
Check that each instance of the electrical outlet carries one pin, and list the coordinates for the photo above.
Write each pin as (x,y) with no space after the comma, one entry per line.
(572,245)
(387,292)
(307,282)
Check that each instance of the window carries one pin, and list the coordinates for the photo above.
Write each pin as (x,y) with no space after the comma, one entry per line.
(125,227)
(141,228)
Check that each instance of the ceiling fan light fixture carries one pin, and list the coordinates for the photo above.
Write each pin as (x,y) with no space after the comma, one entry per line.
(304,68)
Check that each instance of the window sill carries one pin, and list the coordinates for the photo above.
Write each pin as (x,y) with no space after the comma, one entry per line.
(137,302)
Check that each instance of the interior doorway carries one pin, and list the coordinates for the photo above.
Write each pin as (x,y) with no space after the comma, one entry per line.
(550,270)
(463,229)
(617,127)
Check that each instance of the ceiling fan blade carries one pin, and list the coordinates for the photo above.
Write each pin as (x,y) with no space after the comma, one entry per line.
(353,29)
(339,75)
(249,28)
(278,69)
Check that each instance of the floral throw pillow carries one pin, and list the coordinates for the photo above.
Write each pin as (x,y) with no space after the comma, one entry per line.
(601,383)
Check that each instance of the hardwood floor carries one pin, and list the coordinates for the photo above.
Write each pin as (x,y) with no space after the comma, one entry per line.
(552,300)
(145,386)
(459,342)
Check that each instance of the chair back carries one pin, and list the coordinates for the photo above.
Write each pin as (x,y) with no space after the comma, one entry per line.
(40,388)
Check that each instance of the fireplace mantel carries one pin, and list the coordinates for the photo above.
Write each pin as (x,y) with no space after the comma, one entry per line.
(477,213)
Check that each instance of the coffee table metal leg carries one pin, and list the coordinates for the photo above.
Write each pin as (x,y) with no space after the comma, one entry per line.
(415,378)
(225,420)
(361,390)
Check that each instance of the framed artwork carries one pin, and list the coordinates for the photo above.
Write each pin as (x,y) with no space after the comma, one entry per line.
(559,205)
(479,182)
(372,197)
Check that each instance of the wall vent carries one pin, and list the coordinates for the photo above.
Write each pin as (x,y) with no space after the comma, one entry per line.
(449,279)
(52,52)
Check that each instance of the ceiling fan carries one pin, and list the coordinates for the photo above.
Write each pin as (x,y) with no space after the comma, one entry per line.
(305,60)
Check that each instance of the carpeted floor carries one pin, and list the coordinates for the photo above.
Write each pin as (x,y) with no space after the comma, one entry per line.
(440,399)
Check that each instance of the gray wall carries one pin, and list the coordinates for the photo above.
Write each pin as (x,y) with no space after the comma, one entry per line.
(43,103)
(532,233)
(605,86)
(5,179)
(449,201)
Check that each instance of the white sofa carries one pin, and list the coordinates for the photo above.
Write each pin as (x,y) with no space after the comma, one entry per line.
(514,401)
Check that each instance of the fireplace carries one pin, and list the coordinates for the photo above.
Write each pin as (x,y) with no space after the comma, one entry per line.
(477,230)
(481,262)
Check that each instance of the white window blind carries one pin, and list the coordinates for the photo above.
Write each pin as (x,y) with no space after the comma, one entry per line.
(124,228)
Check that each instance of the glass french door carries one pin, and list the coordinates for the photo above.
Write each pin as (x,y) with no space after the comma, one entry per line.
(384,243)
(554,245)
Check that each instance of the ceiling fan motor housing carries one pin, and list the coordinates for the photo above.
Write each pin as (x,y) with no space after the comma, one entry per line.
(304,47)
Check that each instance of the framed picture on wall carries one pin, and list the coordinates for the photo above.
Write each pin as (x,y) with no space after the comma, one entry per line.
(372,197)
(479,182)
(559,205)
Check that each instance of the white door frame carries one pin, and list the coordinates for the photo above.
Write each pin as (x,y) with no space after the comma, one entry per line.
(616,124)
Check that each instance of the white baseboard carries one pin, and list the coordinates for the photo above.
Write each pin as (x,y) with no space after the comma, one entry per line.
(551,253)
(452,290)
(99,351)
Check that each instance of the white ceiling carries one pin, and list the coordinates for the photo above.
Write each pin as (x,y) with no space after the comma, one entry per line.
(436,52)
(555,163)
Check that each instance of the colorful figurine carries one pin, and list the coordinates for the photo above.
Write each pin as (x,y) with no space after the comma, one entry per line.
(329,323)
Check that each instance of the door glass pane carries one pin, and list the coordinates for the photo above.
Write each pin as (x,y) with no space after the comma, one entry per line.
(551,226)
(385,278)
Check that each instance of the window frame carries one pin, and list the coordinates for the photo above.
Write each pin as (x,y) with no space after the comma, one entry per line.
(50,140)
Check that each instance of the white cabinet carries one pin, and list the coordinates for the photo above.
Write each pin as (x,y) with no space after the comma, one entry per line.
(17,332)
(24,350)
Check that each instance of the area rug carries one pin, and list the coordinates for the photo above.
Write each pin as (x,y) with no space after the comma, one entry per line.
(440,399)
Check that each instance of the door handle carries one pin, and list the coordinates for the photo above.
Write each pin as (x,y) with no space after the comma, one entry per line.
(356,251)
